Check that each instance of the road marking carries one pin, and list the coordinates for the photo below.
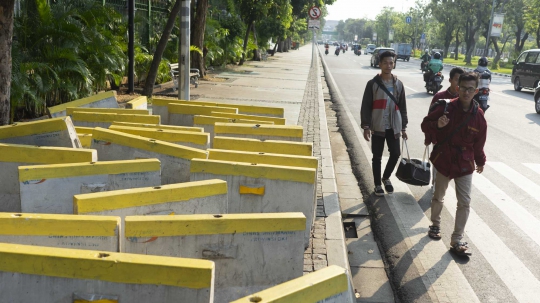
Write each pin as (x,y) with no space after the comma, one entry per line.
(411,89)
(519,280)
(533,166)
(518,179)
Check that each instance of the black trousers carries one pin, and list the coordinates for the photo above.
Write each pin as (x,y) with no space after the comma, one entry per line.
(377,147)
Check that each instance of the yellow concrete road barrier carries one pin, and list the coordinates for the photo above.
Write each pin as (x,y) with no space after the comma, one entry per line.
(260,131)
(161,126)
(160,108)
(71,110)
(277,121)
(269,111)
(89,119)
(103,100)
(263,158)
(58,132)
(140,102)
(264,146)
(182,114)
(191,139)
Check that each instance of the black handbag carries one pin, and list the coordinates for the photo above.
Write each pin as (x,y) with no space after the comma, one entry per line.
(414,171)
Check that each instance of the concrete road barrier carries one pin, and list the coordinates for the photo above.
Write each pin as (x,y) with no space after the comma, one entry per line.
(84,130)
(263,158)
(104,100)
(175,159)
(49,274)
(328,285)
(161,126)
(50,188)
(182,114)
(86,140)
(261,188)
(277,121)
(160,108)
(191,139)
(58,132)
(124,111)
(88,119)
(207,123)
(264,146)
(268,111)
(260,131)
(67,231)
(14,155)
(252,251)
(138,103)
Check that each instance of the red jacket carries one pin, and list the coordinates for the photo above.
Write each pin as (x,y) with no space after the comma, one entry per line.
(443,95)
(456,157)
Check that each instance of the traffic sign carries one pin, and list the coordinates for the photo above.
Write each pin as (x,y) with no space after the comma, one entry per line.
(315,12)
(315,24)
(408,19)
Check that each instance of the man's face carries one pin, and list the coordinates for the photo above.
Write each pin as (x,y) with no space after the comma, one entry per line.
(387,64)
(454,82)
(467,90)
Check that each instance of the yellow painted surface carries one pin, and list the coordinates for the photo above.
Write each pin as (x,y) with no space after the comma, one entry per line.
(38,172)
(86,140)
(142,100)
(111,117)
(293,131)
(71,110)
(95,301)
(277,121)
(35,127)
(183,225)
(109,266)
(117,199)
(263,158)
(249,190)
(26,224)
(285,173)
(165,134)
(103,136)
(267,146)
(185,109)
(161,126)
(311,288)
(45,154)
(204,120)
(84,130)
(278,111)
(81,102)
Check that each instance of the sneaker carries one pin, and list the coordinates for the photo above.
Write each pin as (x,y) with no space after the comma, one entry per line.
(388,186)
(379,191)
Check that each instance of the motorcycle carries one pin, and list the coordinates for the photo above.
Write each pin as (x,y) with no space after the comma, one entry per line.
(326,51)
(337,52)
(434,84)
(482,97)
(423,66)
(343,50)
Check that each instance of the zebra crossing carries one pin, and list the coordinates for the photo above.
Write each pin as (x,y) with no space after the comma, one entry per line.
(497,188)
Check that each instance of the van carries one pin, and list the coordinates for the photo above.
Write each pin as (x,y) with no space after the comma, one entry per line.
(526,71)
(369,49)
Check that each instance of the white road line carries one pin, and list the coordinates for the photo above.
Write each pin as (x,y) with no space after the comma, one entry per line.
(519,280)
(535,167)
(518,179)
(411,89)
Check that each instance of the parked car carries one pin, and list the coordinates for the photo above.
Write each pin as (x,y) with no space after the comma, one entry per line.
(537,99)
(375,55)
(526,71)
(369,49)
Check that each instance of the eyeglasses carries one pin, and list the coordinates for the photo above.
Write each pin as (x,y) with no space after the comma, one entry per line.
(467,89)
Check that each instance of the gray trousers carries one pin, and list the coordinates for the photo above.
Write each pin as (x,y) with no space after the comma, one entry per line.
(463,195)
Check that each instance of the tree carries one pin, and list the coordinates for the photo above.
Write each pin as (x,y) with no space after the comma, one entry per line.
(7,8)
(251,10)
(152,72)
(197,35)
(448,16)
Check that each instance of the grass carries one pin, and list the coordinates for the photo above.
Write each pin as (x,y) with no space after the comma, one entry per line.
(459,62)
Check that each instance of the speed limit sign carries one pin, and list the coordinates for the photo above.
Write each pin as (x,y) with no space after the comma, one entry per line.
(315,12)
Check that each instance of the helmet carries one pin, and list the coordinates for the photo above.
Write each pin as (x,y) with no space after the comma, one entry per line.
(483,61)
(427,51)
(437,55)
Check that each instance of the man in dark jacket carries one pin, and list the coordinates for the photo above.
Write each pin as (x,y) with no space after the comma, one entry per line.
(385,118)
(458,131)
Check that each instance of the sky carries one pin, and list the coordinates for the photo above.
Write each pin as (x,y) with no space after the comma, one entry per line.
(356,9)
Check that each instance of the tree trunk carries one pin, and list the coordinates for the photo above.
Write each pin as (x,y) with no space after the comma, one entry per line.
(152,73)
(7,8)
(197,36)
(256,52)
(275,47)
(281,45)
(456,51)
(246,38)
(519,41)
(538,36)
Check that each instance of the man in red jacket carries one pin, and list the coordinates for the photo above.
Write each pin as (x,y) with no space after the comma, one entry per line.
(458,131)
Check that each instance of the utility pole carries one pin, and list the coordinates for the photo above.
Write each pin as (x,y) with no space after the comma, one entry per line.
(183,60)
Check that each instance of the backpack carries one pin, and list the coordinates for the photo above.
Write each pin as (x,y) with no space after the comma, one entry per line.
(440,102)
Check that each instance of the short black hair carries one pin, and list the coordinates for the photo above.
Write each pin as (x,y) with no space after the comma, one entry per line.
(469,76)
(386,54)
(456,70)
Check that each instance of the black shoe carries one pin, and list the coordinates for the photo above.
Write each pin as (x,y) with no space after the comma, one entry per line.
(388,186)
(379,191)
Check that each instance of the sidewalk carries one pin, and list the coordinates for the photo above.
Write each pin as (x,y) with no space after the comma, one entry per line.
(291,81)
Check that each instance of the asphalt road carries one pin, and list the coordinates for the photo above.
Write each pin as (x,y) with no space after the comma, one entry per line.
(504,225)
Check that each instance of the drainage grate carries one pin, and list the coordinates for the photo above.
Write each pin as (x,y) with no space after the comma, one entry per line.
(350,230)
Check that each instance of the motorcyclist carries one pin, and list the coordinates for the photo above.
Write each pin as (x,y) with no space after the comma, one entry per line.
(326,47)
(434,66)
(484,80)
(425,59)
(338,48)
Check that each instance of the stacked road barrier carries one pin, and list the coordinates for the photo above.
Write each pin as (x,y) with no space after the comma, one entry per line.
(71,110)
(186,138)
(208,123)
(251,110)
(182,114)
(50,132)
(103,100)
(138,103)
(50,188)
(160,126)
(264,146)
(276,120)
(260,131)
(90,119)
(160,107)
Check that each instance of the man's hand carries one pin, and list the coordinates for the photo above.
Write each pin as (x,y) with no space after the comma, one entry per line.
(367,134)
(404,134)
(443,121)
(479,169)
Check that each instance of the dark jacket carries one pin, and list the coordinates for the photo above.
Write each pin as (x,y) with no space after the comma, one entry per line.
(455,158)
(374,104)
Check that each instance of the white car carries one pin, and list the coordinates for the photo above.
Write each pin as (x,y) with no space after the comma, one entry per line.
(369,49)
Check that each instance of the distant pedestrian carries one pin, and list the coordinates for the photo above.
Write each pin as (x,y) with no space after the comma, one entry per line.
(458,131)
(384,115)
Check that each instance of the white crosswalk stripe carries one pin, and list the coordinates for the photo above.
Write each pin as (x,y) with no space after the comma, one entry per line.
(531,188)
(533,166)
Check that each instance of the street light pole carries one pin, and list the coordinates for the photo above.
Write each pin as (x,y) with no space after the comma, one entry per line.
(489,28)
